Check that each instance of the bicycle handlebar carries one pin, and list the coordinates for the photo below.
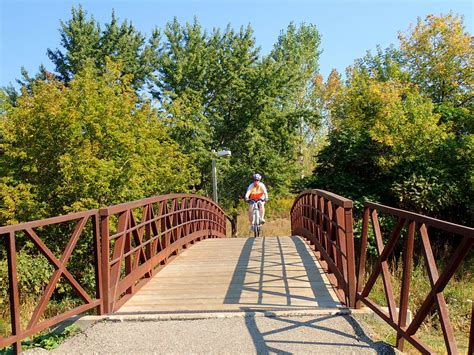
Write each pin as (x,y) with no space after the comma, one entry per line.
(255,201)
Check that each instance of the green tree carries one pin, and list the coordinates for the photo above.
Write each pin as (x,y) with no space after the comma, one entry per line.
(385,131)
(297,51)
(89,144)
(439,56)
(83,40)
(218,93)
(403,125)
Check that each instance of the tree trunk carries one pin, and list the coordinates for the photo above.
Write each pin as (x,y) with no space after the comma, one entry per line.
(233,223)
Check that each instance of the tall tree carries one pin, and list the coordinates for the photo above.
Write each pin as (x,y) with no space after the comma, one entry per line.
(297,49)
(83,40)
(217,94)
(404,125)
(440,58)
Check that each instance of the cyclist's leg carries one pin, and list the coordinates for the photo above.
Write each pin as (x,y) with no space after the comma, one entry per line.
(250,212)
(262,211)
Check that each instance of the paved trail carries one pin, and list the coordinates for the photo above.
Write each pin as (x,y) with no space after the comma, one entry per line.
(324,334)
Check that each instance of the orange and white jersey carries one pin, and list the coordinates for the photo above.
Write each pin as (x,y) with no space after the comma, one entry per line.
(256,192)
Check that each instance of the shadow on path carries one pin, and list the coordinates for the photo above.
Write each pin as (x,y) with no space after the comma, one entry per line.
(328,334)
(277,268)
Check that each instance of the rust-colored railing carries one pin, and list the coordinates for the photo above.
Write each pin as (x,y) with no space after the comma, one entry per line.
(29,230)
(131,243)
(142,245)
(325,220)
(416,225)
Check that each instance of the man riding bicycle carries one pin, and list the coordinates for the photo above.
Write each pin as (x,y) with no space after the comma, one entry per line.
(257,191)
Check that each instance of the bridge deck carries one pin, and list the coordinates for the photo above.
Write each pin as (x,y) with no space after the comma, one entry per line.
(238,274)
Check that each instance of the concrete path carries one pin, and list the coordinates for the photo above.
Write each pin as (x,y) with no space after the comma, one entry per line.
(237,274)
(325,334)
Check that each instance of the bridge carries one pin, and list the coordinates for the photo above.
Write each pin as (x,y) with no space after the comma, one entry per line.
(169,257)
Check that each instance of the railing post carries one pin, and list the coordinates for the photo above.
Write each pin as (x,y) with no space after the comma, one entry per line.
(351,274)
(13,288)
(363,253)
(405,290)
(97,261)
(105,252)
(471,337)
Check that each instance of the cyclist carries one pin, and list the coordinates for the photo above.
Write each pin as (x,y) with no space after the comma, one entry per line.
(255,192)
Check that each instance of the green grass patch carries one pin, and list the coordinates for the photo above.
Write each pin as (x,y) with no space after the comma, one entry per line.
(46,340)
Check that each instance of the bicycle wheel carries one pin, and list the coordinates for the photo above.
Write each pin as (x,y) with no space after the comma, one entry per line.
(255,222)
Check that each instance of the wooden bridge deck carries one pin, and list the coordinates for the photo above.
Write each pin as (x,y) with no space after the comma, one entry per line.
(263,274)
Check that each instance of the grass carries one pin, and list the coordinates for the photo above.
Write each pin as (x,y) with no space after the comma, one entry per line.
(458,295)
(277,216)
(46,340)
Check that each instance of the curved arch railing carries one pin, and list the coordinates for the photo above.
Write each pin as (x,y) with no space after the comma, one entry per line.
(130,243)
(324,219)
(139,237)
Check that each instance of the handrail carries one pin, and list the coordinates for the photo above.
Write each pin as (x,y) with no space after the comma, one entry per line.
(82,230)
(140,248)
(417,225)
(169,223)
(325,220)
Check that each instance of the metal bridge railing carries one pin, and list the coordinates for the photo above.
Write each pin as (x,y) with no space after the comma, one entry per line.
(138,238)
(131,242)
(417,226)
(325,220)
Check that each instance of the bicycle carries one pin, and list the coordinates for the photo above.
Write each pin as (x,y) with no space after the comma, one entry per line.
(256,220)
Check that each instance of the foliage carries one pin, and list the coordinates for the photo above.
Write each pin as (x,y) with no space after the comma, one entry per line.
(84,41)
(297,50)
(217,94)
(90,144)
(439,57)
(458,296)
(403,130)
(47,341)
(31,280)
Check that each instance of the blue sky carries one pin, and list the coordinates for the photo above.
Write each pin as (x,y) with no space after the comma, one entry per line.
(348,28)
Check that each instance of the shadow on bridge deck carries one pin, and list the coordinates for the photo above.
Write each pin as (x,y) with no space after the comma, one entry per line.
(229,275)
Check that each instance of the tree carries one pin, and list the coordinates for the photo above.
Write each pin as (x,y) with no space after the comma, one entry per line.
(297,50)
(83,41)
(217,93)
(89,144)
(439,54)
(404,126)
(386,131)
(325,96)
(384,65)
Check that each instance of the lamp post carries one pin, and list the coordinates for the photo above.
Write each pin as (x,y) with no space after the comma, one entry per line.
(219,154)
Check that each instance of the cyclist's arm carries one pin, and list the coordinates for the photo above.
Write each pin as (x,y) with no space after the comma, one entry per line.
(265,193)
(247,194)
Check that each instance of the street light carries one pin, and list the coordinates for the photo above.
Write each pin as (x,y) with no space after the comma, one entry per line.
(219,154)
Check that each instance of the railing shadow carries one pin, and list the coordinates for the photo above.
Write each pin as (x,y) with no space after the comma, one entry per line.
(278,272)
(350,338)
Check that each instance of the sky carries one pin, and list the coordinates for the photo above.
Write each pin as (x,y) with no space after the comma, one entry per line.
(348,27)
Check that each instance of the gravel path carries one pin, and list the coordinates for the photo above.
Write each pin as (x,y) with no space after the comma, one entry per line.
(324,334)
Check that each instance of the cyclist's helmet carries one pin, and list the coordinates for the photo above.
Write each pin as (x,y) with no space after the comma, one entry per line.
(257,177)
